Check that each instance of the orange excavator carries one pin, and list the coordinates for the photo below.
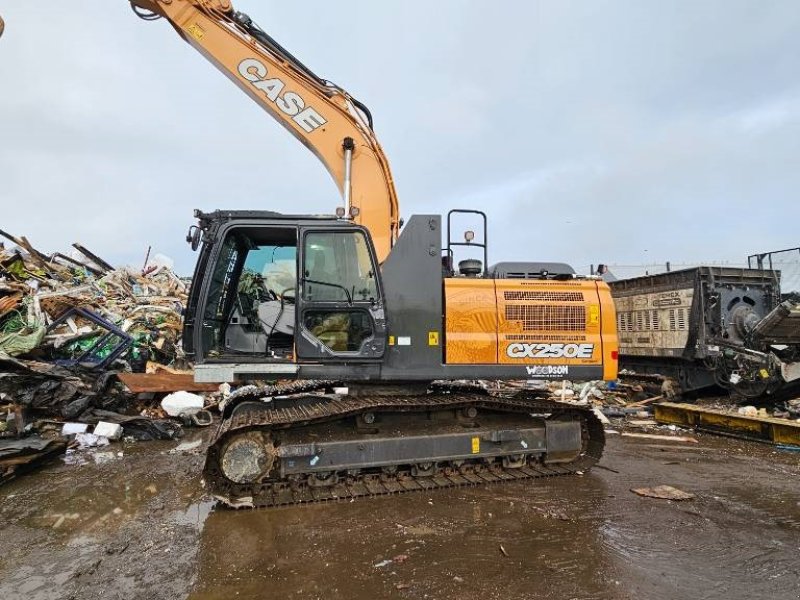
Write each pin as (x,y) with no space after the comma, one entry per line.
(372,338)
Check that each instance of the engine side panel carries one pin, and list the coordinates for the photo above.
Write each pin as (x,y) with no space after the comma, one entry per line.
(561,319)
(470,321)
(552,329)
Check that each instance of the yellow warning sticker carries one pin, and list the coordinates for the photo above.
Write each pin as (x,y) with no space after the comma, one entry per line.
(764,374)
(196,31)
(476,445)
(433,338)
(594,314)
(391,340)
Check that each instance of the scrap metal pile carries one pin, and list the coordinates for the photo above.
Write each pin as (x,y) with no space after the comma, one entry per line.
(69,325)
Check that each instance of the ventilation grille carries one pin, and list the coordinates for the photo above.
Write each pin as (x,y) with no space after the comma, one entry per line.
(542,296)
(544,318)
(650,320)
(544,337)
(677,319)
(540,282)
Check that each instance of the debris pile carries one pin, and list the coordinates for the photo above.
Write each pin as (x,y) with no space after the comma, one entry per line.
(70,325)
(634,396)
(19,456)
(79,310)
(788,409)
(649,404)
(613,398)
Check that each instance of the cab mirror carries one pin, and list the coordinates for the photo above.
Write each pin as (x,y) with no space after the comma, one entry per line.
(193,237)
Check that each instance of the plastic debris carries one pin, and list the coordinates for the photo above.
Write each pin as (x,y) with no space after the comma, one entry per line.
(180,404)
(74,428)
(186,446)
(202,418)
(112,431)
(90,440)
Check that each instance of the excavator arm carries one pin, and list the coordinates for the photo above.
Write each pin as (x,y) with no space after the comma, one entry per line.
(336,127)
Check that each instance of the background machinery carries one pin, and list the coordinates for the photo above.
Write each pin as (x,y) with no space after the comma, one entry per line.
(711,326)
(373,328)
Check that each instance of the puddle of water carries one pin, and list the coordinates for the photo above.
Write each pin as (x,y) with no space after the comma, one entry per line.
(581,537)
(196,514)
(187,446)
(111,488)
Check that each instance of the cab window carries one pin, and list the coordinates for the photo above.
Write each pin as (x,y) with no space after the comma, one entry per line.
(338,268)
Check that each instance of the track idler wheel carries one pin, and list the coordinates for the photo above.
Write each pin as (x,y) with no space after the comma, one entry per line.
(247,458)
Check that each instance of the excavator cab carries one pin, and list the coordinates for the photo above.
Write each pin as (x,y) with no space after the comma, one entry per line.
(276,289)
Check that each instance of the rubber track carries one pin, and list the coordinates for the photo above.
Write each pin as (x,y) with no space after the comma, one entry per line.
(282,493)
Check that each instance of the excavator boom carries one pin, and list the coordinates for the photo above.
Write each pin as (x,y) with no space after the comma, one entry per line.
(336,127)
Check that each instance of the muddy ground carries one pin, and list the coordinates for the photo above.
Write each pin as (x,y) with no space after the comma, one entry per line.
(139,526)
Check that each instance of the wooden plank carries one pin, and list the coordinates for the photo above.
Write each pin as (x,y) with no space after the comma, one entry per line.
(164,382)
(9,303)
(663,438)
(646,401)
(93,257)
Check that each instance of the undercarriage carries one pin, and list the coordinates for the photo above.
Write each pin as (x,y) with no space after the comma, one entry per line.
(292,444)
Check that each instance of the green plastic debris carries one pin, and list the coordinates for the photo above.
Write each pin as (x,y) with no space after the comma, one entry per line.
(23,341)
(13,323)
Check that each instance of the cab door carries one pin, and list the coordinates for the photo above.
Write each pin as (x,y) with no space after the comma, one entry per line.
(340,314)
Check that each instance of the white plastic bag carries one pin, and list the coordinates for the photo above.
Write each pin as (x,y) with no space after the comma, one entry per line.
(179,404)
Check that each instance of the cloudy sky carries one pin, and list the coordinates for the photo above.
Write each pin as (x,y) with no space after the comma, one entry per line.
(620,132)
